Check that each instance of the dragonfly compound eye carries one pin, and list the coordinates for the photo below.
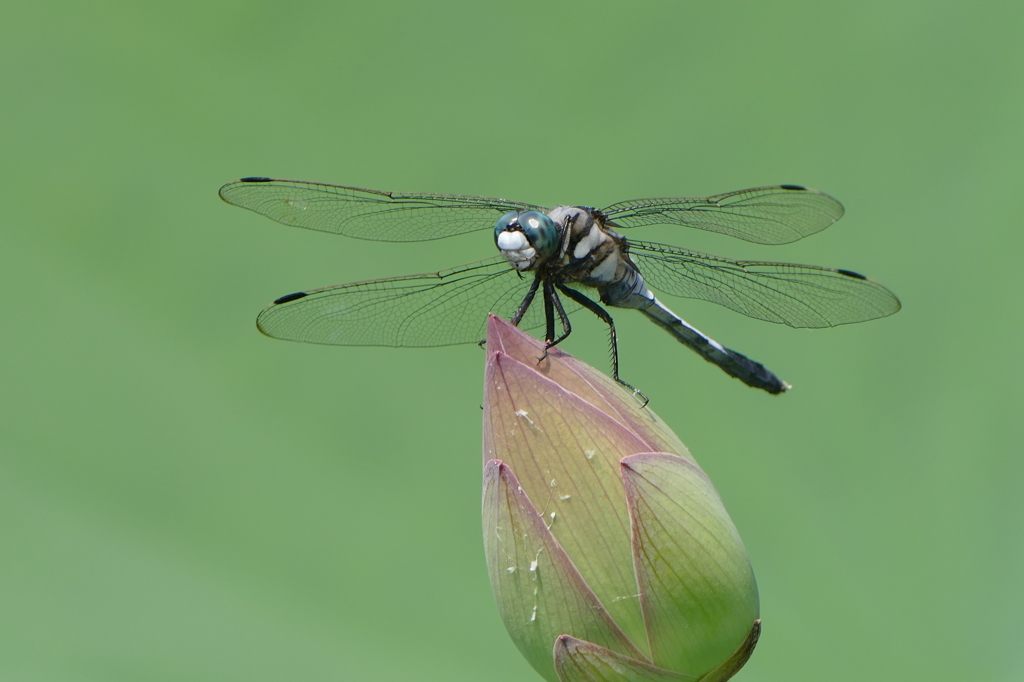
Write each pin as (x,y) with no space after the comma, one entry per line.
(510,218)
(540,232)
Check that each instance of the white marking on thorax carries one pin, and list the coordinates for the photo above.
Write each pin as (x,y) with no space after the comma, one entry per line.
(606,271)
(587,244)
(560,214)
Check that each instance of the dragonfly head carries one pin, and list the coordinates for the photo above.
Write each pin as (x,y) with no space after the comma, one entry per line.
(526,237)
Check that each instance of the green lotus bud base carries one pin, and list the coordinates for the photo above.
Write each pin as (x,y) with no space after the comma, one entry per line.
(610,553)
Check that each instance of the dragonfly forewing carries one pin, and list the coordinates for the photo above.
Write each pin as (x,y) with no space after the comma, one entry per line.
(366,213)
(764,215)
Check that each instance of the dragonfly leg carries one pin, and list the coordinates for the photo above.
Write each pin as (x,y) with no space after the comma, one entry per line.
(563,317)
(551,299)
(551,303)
(603,315)
(549,314)
(523,307)
(527,300)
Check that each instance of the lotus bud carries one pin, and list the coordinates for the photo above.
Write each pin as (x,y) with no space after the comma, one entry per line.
(610,553)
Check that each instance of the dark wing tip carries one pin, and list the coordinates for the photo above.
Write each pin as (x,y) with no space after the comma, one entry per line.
(798,188)
(851,273)
(228,187)
(288,298)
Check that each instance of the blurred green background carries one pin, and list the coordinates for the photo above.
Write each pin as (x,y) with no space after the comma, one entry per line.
(182,498)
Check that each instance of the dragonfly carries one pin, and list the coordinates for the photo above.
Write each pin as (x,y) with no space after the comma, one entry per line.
(564,258)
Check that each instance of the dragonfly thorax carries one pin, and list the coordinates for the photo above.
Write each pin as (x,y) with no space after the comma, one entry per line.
(591,253)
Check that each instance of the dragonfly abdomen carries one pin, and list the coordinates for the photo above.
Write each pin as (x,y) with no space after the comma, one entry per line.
(731,362)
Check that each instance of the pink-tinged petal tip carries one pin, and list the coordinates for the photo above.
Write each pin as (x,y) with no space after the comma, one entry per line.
(582,380)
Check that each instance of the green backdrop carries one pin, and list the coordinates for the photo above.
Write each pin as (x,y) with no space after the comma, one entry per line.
(182,498)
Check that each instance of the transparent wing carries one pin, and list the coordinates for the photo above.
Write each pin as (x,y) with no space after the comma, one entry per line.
(764,215)
(432,309)
(796,295)
(366,213)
